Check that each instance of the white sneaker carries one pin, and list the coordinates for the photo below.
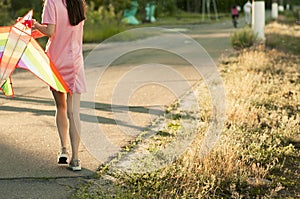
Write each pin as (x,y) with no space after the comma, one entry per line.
(63,156)
(75,165)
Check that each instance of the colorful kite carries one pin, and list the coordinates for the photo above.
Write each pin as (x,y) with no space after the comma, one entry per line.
(18,49)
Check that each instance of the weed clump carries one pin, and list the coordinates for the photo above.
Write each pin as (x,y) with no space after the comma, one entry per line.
(243,38)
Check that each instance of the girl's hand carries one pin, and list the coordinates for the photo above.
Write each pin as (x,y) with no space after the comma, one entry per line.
(34,22)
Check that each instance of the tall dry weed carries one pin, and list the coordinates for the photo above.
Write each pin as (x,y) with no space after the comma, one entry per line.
(263,103)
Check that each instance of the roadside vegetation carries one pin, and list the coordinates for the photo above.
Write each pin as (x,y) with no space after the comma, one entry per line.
(243,38)
(258,153)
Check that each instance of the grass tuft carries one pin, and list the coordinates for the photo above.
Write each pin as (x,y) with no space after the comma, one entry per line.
(243,38)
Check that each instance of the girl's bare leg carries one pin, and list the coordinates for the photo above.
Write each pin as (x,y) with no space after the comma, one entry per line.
(73,112)
(61,117)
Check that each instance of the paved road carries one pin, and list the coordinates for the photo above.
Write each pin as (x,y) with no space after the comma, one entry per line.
(29,141)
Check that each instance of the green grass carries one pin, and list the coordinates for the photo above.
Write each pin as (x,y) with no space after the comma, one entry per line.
(288,17)
(97,30)
(183,18)
(283,42)
(283,33)
(283,37)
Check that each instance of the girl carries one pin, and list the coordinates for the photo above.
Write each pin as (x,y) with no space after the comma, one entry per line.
(62,22)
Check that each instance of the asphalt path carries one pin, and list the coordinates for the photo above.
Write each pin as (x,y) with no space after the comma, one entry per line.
(130,83)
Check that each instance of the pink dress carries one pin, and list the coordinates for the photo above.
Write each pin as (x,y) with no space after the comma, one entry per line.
(65,46)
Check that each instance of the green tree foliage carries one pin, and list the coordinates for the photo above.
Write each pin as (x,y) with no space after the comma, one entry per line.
(4,12)
(118,5)
(19,8)
(163,7)
(30,4)
(222,5)
(166,7)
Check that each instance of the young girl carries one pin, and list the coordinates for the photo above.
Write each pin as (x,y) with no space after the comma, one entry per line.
(234,15)
(62,22)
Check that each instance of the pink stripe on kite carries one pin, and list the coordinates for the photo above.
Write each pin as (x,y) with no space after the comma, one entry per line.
(21,64)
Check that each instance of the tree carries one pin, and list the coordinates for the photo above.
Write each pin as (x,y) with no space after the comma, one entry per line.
(119,5)
(19,8)
(4,14)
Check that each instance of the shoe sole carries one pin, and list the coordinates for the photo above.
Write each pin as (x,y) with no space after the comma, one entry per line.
(62,160)
(74,168)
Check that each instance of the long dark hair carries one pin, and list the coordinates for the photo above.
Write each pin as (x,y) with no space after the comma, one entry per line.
(76,11)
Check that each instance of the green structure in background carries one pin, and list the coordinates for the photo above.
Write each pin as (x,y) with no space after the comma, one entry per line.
(150,11)
(129,14)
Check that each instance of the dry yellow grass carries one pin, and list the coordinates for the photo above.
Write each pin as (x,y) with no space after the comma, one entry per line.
(283,29)
(262,115)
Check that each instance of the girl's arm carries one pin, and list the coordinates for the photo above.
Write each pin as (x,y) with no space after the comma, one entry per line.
(47,29)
